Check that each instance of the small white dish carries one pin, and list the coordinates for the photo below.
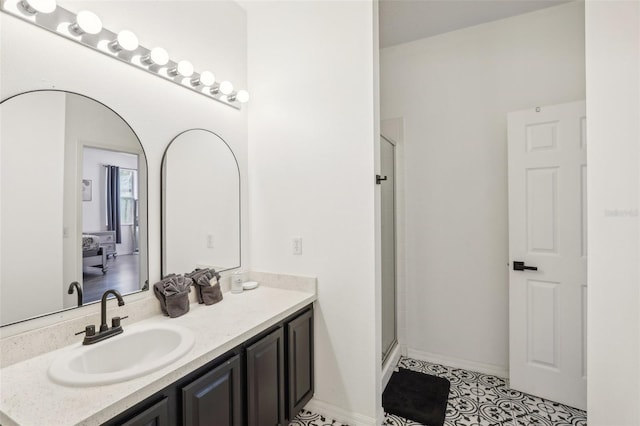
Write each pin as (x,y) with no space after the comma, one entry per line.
(249,285)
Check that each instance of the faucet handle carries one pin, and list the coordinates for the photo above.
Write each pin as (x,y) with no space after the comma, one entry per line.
(89,330)
(115,321)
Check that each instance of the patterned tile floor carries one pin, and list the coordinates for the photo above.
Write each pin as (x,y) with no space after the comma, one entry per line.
(477,399)
(307,418)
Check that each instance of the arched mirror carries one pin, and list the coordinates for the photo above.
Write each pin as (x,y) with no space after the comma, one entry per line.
(200,204)
(73,203)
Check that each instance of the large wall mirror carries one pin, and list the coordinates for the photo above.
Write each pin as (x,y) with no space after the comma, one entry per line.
(73,203)
(200,204)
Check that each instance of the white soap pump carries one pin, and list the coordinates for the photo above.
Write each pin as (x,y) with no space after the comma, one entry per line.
(237,279)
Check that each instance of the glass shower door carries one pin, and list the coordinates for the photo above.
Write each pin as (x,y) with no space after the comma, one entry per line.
(388,237)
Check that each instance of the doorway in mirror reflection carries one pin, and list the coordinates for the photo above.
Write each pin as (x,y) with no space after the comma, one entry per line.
(110,223)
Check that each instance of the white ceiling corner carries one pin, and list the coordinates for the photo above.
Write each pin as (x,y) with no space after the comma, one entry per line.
(402,21)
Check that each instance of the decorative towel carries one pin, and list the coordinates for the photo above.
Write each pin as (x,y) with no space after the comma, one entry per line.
(205,292)
(173,293)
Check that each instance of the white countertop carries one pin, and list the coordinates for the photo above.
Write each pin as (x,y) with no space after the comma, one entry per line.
(28,397)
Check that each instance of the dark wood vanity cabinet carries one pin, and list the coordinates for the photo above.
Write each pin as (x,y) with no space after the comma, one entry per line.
(265,381)
(280,372)
(299,362)
(156,415)
(215,398)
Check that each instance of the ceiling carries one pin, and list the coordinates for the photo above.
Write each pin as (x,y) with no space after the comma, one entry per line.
(402,21)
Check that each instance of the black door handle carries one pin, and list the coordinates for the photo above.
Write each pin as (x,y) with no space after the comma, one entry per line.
(379,179)
(520,266)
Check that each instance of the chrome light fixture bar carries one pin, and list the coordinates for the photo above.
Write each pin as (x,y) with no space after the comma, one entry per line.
(86,29)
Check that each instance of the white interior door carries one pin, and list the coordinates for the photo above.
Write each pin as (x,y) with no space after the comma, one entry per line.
(547,231)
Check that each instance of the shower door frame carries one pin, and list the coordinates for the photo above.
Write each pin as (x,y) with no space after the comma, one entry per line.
(386,352)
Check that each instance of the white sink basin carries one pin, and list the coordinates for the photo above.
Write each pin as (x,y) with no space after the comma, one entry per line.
(137,351)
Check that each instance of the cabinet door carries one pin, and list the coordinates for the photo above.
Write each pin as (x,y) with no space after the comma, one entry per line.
(215,399)
(300,363)
(265,381)
(156,415)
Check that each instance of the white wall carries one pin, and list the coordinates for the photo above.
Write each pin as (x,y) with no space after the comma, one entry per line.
(613,134)
(157,110)
(454,91)
(311,133)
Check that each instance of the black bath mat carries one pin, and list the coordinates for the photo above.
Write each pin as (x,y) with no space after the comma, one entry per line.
(417,396)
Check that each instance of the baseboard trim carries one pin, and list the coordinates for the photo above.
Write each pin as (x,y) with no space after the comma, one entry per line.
(336,413)
(390,365)
(479,367)
(404,350)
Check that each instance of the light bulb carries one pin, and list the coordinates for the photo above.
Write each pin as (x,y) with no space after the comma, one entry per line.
(126,40)
(226,87)
(184,68)
(86,22)
(38,6)
(206,78)
(157,56)
(242,96)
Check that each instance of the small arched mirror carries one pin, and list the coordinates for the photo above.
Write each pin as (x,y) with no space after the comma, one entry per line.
(200,204)
(73,196)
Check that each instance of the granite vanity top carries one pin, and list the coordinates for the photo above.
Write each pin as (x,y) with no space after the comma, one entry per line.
(28,397)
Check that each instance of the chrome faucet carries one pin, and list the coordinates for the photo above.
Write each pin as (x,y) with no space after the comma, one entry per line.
(105,331)
(76,285)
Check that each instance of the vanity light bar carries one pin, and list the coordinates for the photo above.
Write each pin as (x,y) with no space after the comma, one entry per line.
(86,28)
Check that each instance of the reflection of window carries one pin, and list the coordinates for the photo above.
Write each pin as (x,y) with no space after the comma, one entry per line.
(128,195)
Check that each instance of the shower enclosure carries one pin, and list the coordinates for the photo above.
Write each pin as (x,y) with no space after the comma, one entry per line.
(386,179)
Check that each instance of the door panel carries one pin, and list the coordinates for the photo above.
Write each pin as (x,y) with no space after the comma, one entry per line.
(542,210)
(215,399)
(542,323)
(265,381)
(542,136)
(156,415)
(547,230)
(300,363)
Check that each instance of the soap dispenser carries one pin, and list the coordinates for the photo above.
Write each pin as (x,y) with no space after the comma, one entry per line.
(237,279)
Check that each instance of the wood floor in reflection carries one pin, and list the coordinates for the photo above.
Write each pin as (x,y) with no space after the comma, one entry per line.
(123,275)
